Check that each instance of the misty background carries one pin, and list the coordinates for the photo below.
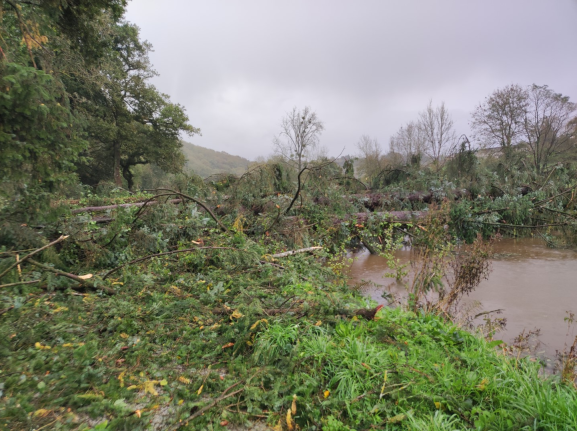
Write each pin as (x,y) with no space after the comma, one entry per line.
(364,67)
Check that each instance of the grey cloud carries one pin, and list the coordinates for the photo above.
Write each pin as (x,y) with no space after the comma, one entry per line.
(365,67)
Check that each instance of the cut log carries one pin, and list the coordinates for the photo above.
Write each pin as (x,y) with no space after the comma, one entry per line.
(290,253)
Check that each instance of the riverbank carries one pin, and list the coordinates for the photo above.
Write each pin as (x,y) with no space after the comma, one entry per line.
(531,283)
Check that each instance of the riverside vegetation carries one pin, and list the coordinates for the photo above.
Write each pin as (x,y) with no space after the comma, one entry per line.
(136,297)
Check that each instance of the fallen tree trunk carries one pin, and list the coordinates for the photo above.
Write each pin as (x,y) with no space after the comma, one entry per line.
(111,207)
(389,216)
(290,253)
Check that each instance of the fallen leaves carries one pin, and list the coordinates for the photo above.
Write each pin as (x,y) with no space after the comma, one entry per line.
(255,324)
(236,314)
(149,386)
(289,421)
(41,346)
(121,378)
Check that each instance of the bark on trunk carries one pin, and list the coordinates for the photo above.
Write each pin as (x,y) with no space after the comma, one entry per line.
(117,176)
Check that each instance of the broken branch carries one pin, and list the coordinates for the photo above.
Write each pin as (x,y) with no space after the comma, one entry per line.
(28,256)
(74,277)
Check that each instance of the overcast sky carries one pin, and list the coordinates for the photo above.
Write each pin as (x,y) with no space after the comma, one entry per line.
(365,67)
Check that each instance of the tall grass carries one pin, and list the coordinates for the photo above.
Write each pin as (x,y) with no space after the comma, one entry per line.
(415,371)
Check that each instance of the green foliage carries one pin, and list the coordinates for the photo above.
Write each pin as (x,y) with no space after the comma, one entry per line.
(39,137)
(128,121)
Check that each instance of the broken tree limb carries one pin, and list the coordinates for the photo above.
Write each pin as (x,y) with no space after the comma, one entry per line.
(74,277)
(519,226)
(290,253)
(28,256)
(111,207)
(367,243)
(19,283)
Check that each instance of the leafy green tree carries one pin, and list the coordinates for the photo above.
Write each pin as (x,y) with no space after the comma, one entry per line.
(39,137)
(41,133)
(129,121)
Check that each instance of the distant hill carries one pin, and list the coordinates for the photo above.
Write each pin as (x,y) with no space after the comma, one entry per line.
(205,162)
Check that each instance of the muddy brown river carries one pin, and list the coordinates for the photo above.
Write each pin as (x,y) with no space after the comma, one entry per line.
(534,286)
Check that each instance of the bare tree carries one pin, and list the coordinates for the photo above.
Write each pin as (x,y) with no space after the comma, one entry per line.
(436,127)
(547,126)
(499,120)
(370,158)
(300,133)
(408,141)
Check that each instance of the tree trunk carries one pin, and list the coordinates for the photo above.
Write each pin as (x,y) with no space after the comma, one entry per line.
(117,176)
(128,176)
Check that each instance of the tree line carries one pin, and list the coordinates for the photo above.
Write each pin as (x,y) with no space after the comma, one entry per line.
(76,97)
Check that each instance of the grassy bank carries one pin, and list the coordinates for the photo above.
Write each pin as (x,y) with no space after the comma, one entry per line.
(227,336)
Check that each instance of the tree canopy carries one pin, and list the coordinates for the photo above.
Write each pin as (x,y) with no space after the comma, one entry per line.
(75,96)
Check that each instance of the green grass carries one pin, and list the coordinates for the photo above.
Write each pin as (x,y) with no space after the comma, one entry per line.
(73,361)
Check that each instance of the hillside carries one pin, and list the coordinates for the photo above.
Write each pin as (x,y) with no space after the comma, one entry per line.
(205,162)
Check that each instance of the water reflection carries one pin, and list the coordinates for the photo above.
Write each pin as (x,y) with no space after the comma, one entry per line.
(533,284)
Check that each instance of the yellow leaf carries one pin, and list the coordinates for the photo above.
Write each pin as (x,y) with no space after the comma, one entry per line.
(483,384)
(123,335)
(278,427)
(200,390)
(237,314)
(148,386)
(437,404)
(41,347)
(184,380)
(163,382)
(289,421)
(41,412)
(253,327)
(132,387)
(180,402)
(327,393)
(396,419)
(118,282)
(294,405)
(67,345)
(319,323)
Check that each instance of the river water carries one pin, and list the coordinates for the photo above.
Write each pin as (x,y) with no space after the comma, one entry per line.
(534,286)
